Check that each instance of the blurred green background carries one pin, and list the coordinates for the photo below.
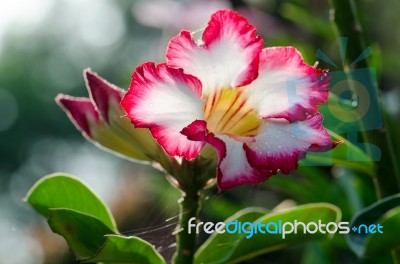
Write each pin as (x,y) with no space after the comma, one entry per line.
(45,45)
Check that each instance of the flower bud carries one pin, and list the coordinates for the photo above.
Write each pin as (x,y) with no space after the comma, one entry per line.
(100,120)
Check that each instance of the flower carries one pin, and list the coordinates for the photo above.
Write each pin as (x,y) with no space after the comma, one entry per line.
(98,118)
(258,108)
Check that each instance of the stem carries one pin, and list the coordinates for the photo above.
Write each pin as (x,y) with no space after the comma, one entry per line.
(191,183)
(185,241)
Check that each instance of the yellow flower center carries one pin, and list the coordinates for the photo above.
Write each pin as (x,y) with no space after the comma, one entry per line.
(227,112)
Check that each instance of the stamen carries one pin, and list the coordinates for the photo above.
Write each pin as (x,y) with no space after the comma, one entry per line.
(227,112)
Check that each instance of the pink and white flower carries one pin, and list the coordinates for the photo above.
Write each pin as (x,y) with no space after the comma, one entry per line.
(257,107)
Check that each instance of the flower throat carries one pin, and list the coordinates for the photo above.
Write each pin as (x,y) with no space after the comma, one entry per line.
(227,112)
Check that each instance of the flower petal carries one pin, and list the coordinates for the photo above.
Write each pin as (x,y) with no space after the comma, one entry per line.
(165,100)
(286,86)
(80,111)
(227,56)
(102,92)
(233,167)
(83,114)
(280,144)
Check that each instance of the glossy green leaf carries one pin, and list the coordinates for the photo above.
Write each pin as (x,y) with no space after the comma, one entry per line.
(378,243)
(84,234)
(240,248)
(258,244)
(64,191)
(382,212)
(120,249)
(219,246)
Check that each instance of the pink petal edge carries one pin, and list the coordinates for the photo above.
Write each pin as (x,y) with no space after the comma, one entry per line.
(78,111)
(230,173)
(101,91)
(287,87)
(227,56)
(165,100)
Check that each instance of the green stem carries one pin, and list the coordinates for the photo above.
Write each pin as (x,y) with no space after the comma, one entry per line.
(346,23)
(191,181)
(186,242)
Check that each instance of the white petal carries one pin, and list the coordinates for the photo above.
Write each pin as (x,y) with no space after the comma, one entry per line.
(286,86)
(280,144)
(165,100)
(227,56)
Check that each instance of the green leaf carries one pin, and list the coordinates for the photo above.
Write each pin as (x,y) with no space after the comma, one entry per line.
(336,111)
(345,154)
(342,116)
(381,212)
(377,244)
(220,208)
(302,17)
(258,244)
(357,189)
(218,246)
(121,249)
(64,191)
(84,234)
(317,177)
(376,60)
(240,248)
(296,188)
(319,252)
